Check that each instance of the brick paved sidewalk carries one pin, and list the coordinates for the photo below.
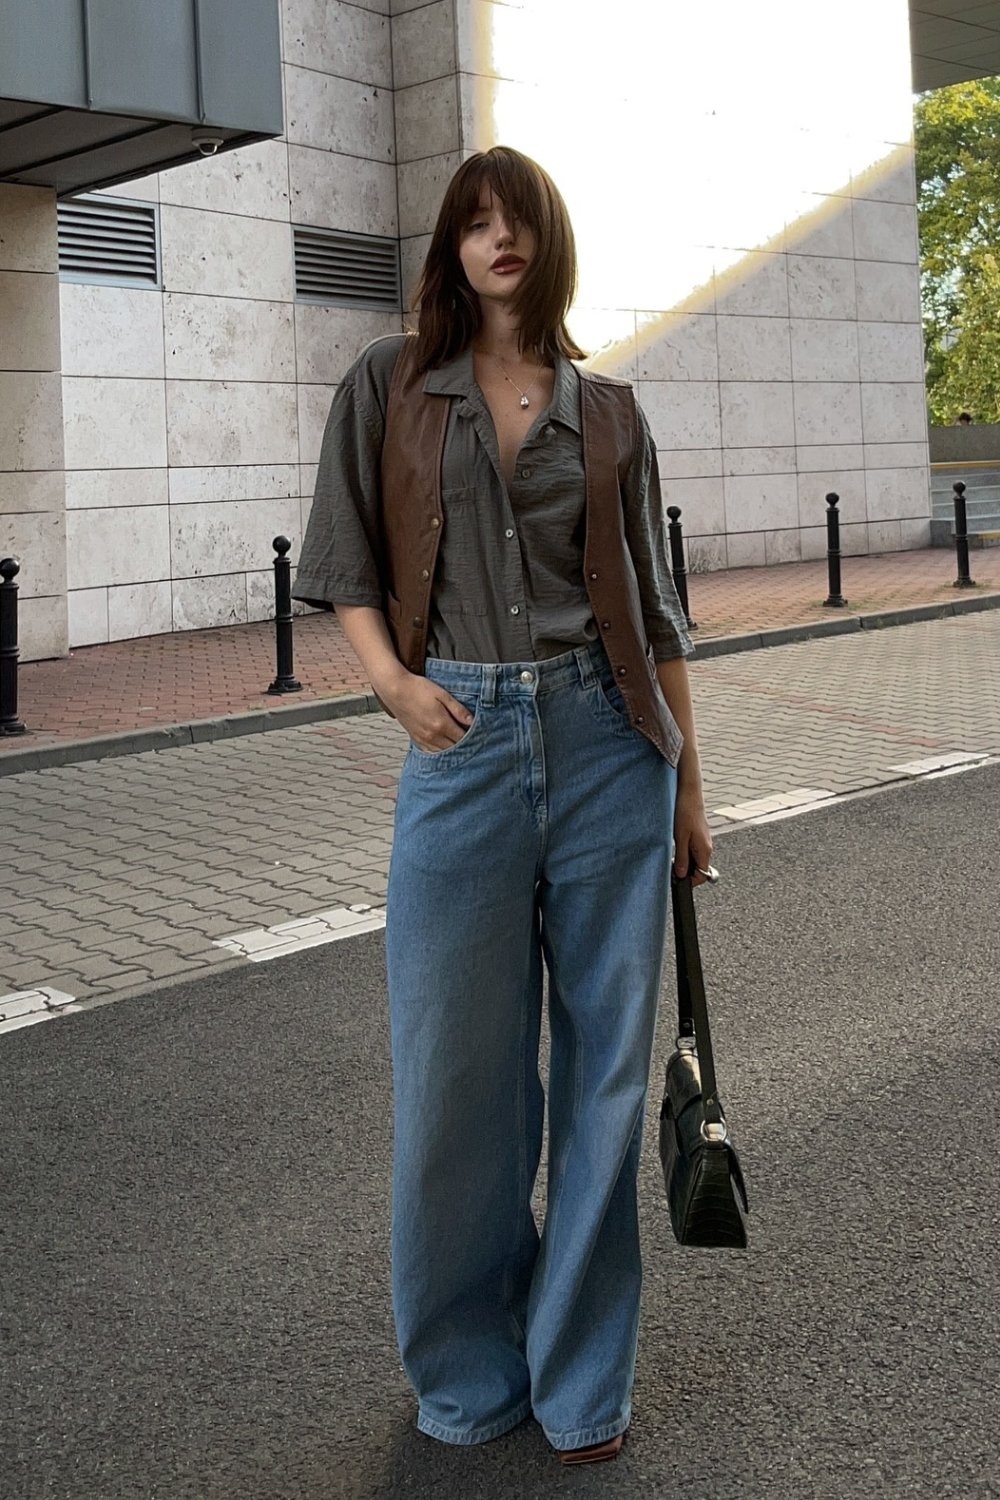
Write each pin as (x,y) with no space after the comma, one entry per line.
(211,674)
(122,873)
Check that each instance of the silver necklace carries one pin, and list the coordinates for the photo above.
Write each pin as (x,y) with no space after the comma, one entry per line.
(523,394)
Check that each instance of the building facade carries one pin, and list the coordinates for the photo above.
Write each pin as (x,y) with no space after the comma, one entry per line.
(748,255)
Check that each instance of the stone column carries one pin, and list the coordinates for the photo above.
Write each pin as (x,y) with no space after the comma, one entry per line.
(428,127)
(32,481)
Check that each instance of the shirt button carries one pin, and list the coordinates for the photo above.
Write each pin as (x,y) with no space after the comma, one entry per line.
(515,609)
(525,473)
(509,533)
(527,676)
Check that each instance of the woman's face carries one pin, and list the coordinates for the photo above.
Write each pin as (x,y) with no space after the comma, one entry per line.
(494,254)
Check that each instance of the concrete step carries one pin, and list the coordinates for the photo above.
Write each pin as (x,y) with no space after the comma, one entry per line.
(980,487)
(980,484)
(975,510)
(943,533)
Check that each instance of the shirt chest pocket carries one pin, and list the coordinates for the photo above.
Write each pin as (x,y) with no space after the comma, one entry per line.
(461,582)
(551,470)
(457,497)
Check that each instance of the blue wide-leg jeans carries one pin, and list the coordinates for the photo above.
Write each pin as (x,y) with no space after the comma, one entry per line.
(543,836)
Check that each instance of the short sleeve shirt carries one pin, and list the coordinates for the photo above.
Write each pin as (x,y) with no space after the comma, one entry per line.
(509,583)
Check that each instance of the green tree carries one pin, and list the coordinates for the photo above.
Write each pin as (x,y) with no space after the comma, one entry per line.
(958,197)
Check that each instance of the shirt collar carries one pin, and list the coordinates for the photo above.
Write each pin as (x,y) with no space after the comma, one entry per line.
(456,378)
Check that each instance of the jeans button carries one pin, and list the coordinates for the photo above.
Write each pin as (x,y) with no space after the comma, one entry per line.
(527,676)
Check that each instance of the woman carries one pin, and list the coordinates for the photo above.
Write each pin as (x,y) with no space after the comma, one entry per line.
(488,525)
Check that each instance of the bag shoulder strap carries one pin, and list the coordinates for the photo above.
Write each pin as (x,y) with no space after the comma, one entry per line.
(692,1005)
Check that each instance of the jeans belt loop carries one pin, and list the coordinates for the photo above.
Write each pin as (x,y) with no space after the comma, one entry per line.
(585,665)
(489,697)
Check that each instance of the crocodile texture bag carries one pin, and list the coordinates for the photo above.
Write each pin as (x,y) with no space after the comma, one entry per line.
(706,1192)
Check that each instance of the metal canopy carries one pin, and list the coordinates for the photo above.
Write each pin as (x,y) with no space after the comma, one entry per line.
(96,92)
(954,40)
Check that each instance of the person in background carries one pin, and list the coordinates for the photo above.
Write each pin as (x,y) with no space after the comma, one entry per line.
(488,525)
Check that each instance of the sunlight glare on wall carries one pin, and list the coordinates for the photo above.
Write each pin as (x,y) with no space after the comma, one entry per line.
(686,136)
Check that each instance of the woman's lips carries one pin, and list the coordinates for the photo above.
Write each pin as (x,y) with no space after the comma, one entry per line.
(504,267)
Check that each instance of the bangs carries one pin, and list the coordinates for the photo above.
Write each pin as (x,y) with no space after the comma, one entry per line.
(504,175)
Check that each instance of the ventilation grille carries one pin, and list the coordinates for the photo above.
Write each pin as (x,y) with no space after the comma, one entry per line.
(108,240)
(348,270)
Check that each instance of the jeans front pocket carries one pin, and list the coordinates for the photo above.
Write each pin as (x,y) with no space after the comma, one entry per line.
(433,760)
(608,706)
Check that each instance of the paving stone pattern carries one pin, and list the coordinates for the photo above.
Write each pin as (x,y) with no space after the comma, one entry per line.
(119,873)
(193,676)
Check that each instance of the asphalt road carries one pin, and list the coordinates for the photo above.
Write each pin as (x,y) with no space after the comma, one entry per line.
(194,1231)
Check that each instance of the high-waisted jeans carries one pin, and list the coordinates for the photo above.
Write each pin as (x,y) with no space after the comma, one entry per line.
(546,832)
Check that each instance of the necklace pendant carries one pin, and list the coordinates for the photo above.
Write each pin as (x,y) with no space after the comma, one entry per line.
(525,401)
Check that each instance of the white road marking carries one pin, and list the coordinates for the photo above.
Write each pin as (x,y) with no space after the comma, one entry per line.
(972,765)
(794,812)
(792,804)
(27,1007)
(961,758)
(781,802)
(262,943)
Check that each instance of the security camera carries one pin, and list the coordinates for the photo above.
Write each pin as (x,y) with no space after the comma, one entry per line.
(206,141)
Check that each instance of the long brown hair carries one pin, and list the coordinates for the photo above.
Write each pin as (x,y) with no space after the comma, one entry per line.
(450,315)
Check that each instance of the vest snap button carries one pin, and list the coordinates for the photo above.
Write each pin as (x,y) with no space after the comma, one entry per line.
(622,671)
(594,577)
(417,620)
(425,573)
(435,522)
(640,718)
(605,624)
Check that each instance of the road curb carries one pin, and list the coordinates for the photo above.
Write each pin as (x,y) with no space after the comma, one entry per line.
(913,614)
(352,705)
(177,736)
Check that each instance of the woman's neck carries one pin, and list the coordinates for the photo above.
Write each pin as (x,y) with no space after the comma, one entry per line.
(500,336)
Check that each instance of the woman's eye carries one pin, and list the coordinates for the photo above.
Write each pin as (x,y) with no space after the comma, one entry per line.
(478,224)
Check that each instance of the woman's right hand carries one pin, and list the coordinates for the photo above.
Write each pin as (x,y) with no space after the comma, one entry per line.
(432,718)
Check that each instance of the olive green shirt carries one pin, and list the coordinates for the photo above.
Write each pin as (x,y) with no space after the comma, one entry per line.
(509,582)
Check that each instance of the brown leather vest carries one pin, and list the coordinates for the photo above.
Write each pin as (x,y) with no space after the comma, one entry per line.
(412,519)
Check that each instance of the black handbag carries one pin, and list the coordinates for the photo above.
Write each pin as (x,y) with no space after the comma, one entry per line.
(706,1192)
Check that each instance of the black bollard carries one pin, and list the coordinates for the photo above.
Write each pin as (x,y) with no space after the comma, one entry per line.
(9,722)
(286,681)
(834,599)
(677,566)
(964,579)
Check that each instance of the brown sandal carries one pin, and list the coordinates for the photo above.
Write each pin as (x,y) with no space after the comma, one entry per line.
(595,1454)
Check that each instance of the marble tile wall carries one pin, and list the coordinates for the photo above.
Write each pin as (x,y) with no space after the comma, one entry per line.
(777,355)
(32,489)
(194,415)
(428,126)
(773,327)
